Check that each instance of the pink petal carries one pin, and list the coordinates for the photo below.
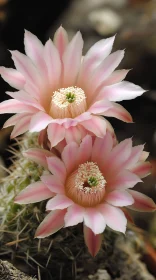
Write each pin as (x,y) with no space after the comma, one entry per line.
(142,169)
(73,134)
(53,183)
(144,155)
(119,112)
(27,68)
(124,180)
(114,217)
(121,91)
(51,224)
(25,98)
(110,129)
(103,71)
(116,77)
(119,198)
(34,50)
(94,220)
(56,133)
(60,201)
(21,126)
(12,77)
(102,148)
(61,40)
(128,216)
(72,59)
(35,192)
(92,241)
(135,156)
(15,106)
(98,52)
(57,167)
(74,215)
(68,122)
(60,146)
(38,155)
(85,149)
(119,156)
(42,139)
(32,90)
(53,63)
(96,125)
(83,117)
(39,121)
(142,202)
(100,107)
(14,119)
(70,155)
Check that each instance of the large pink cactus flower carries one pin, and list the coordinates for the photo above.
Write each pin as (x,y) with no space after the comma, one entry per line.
(63,91)
(90,183)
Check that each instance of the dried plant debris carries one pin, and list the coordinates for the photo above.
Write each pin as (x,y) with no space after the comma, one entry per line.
(63,255)
(9,272)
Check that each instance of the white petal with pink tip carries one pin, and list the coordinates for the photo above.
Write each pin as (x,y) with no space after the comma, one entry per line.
(119,112)
(39,121)
(98,52)
(85,149)
(52,58)
(56,133)
(51,224)
(53,183)
(72,59)
(14,119)
(57,167)
(121,91)
(114,217)
(106,68)
(15,106)
(34,50)
(101,149)
(94,220)
(142,202)
(61,40)
(96,125)
(116,77)
(93,241)
(100,107)
(35,192)
(70,155)
(142,169)
(124,180)
(12,77)
(21,126)
(60,201)
(119,198)
(74,215)
(25,98)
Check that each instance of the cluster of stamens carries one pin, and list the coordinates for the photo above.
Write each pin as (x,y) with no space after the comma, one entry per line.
(68,103)
(89,178)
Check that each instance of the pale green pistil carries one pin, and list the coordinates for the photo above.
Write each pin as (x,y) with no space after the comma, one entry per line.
(92,181)
(70,97)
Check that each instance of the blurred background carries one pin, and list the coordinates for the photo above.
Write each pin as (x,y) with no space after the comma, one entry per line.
(134,22)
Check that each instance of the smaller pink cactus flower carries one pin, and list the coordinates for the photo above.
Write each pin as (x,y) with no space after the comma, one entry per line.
(64,92)
(89,183)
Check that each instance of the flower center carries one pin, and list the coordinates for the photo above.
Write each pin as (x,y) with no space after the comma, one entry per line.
(68,103)
(86,186)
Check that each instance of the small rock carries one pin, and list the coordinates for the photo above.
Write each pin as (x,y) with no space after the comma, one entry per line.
(105,21)
(101,274)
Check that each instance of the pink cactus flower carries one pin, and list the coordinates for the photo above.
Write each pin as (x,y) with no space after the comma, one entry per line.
(89,183)
(64,92)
